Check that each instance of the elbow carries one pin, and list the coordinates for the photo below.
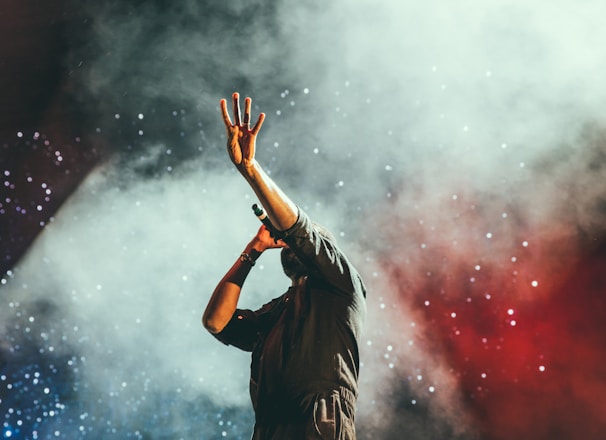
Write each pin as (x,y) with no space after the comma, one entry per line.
(211,324)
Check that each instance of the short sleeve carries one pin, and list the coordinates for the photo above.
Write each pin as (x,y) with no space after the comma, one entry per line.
(240,331)
(321,254)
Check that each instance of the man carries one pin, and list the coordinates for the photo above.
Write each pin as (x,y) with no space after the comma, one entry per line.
(304,344)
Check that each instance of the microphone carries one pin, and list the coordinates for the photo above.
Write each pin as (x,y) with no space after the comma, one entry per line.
(262,215)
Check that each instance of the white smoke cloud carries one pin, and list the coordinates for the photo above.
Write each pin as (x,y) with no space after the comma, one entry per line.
(407,99)
(131,269)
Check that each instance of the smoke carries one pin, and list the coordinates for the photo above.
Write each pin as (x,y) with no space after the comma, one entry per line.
(129,269)
(438,140)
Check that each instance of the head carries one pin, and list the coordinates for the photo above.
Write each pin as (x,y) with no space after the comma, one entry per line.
(293,267)
(291,264)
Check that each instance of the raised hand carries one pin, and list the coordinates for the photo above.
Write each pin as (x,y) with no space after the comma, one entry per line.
(241,139)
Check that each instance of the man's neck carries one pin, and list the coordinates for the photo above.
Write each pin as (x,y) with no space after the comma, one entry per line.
(298,281)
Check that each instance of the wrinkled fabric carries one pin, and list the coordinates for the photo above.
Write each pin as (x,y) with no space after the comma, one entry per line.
(304,345)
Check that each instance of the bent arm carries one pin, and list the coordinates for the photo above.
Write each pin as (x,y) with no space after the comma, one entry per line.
(224,300)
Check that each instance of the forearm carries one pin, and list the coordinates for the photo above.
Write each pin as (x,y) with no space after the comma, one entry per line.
(224,300)
(280,209)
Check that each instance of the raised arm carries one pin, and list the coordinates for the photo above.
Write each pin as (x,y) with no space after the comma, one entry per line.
(283,213)
(241,145)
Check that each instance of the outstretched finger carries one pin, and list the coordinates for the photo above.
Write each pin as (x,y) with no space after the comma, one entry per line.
(226,119)
(247,104)
(259,123)
(236,99)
